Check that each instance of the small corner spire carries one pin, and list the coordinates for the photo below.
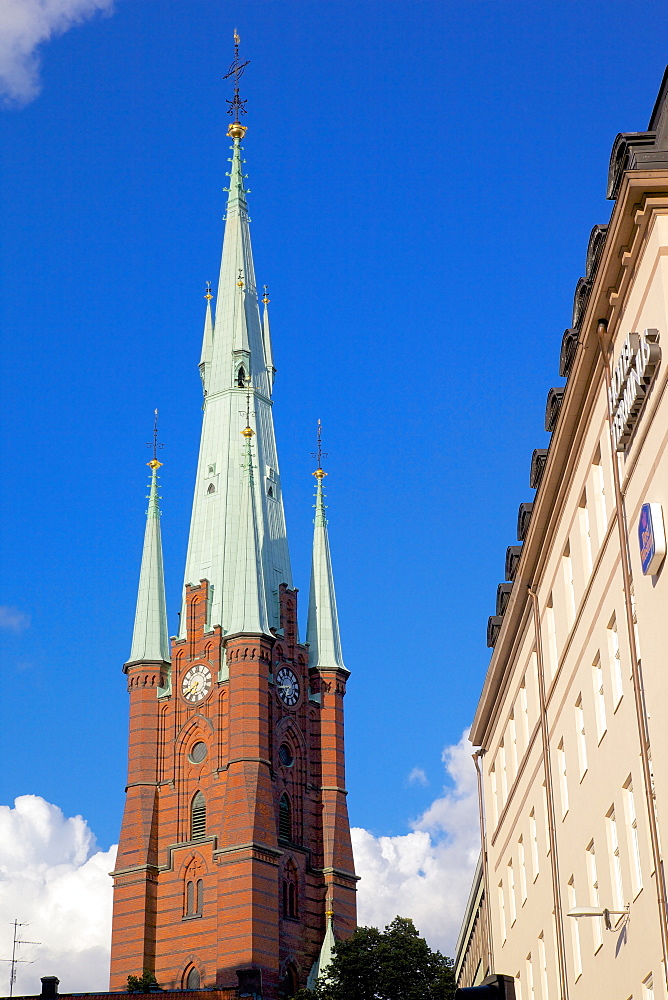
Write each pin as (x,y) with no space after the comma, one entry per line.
(150,640)
(237,106)
(322,632)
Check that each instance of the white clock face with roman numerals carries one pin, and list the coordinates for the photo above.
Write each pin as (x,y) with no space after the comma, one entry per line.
(196,683)
(288,686)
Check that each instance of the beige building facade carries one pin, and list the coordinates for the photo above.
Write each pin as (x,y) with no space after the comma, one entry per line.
(572,723)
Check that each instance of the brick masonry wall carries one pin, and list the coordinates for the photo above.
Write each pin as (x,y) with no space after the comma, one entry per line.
(242,861)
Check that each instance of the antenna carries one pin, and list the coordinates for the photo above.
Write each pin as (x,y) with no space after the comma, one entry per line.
(236,105)
(155,444)
(319,454)
(14,961)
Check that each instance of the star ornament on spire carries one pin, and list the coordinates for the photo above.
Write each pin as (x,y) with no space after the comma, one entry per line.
(236,107)
(155,444)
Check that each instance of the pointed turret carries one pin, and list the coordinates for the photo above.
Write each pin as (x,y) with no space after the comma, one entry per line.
(249,607)
(322,632)
(266,339)
(150,640)
(207,340)
(324,959)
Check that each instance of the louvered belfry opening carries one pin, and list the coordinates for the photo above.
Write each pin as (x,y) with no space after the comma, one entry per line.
(285,818)
(198,817)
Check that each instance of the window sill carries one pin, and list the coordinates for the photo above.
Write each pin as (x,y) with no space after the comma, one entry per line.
(191,916)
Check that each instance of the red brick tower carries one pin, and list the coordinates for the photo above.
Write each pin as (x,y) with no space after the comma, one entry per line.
(235,837)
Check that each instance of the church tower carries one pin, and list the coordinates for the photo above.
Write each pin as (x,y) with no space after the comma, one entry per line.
(234,862)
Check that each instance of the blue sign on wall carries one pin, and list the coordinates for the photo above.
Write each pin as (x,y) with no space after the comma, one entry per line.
(652,538)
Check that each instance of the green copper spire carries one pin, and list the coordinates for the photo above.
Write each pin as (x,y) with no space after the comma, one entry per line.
(322,633)
(249,605)
(324,959)
(150,640)
(237,346)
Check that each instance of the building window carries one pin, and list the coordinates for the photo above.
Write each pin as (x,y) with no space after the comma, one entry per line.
(529,970)
(193,979)
(522,864)
(211,489)
(569,586)
(241,377)
(284,818)
(615,663)
(599,698)
(598,484)
(533,842)
(592,875)
(615,860)
(190,898)
(542,959)
(198,817)
(585,536)
(581,737)
(511,893)
(524,712)
(502,910)
(290,893)
(563,778)
(575,930)
(632,837)
(551,634)
(495,794)
(512,746)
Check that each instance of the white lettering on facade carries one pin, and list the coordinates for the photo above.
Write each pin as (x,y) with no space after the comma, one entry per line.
(633,374)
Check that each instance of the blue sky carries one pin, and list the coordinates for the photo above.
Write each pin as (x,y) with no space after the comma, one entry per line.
(424,179)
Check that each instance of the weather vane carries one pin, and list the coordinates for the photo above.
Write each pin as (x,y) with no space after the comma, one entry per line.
(319,454)
(236,105)
(155,444)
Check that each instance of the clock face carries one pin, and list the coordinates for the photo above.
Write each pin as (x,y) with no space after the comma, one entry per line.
(288,686)
(196,683)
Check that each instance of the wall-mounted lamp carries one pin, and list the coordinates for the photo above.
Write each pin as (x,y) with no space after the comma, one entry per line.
(601,911)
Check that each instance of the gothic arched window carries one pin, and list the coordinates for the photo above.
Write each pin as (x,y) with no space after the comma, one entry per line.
(200,895)
(241,377)
(211,489)
(190,899)
(285,818)
(193,979)
(198,817)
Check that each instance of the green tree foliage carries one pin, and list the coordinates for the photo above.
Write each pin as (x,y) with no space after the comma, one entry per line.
(146,983)
(394,964)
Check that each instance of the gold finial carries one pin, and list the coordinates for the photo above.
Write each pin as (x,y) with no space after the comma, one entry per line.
(265,297)
(319,455)
(237,107)
(248,431)
(240,282)
(208,291)
(154,464)
(329,911)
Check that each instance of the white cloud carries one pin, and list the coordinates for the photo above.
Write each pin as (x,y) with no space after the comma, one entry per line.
(24,26)
(54,880)
(12,619)
(425,874)
(417,777)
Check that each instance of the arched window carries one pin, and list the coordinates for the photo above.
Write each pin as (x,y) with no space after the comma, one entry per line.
(190,899)
(198,817)
(200,895)
(270,491)
(193,979)
(211,489)
(290,892)
(241,377)
(284,818)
